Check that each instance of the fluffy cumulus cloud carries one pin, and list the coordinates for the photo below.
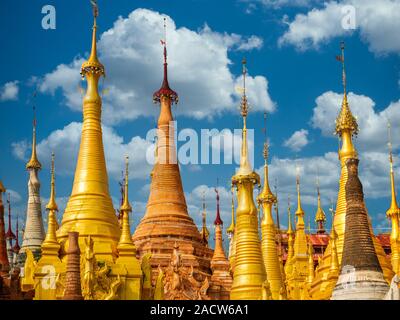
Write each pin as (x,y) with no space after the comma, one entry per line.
(65,143)
(372,123)
(298,140)
(277,4)
(376,23)
(132,54)
(9,91)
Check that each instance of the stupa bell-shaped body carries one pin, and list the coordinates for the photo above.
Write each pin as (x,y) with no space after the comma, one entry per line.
(89,210)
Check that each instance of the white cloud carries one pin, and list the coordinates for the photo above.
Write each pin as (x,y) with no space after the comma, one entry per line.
(9,91)
(20,148)
(372,124)
(65,143)
(298,140)
(132,55)
(377,24)
(276,4)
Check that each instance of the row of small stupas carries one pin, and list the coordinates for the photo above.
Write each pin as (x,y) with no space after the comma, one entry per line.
(92,255)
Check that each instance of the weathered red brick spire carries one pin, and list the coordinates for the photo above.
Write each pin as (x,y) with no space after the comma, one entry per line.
(73,290)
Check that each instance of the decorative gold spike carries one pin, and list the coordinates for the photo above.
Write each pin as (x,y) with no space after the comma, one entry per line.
(52,205)
(249,272)
(346,123)
(126,208)
(231,228)
(93,65)
(33,162)
(50,245)
(393,213)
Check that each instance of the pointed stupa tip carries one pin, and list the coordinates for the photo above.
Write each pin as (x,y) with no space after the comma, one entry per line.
(245,168)
(218,221)
(33,162)
(9,234)
(266,194)
(299,211)
(231,228)
(52,205)
(165,90)
(126,206)
(345,120)
(320,214)
(290,229)
(126,239)
(394,208)
(16,246)
(93,65)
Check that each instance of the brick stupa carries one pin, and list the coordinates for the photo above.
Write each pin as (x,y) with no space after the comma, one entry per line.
(166,221)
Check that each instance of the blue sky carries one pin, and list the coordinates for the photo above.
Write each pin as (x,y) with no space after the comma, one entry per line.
(290,47)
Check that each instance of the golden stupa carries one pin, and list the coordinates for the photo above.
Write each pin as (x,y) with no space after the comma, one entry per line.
(346,127)
(296,276)
(108,267)
(270,253)
(249,277)
(89,210)
(393,214)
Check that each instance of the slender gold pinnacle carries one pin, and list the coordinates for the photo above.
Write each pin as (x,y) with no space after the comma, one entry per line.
(52,205)
(231,228)
(33,162)
(346,123)
(393,212)
(245,168)
(299,211)
(93,65)
(50,244)
(126,208)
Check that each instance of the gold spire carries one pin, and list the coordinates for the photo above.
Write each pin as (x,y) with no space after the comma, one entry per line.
(33,162)
(126,208)
(346,123)
(89,210)
(249,272)
(266,195)
(268,234)
(320,217)
(299,211)
(93,65)
(52,205)
(393,212)
(311,271)
(231,228)
(204,231)
(288,265)
(50,244)
(245,167)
